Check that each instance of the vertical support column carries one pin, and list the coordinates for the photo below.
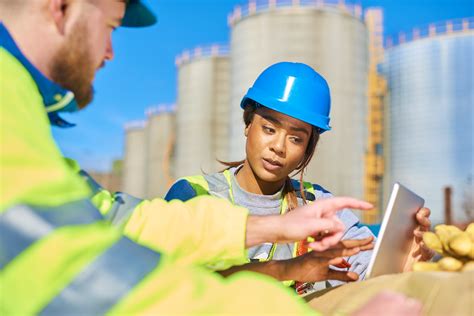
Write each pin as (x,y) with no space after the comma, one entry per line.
(374,164)
(448,220)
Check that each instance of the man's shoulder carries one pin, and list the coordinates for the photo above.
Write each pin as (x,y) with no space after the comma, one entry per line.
(19,80)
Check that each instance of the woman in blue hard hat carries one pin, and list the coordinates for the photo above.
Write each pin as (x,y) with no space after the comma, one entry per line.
(285,112)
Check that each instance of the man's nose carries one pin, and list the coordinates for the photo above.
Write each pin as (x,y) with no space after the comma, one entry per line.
(109,52)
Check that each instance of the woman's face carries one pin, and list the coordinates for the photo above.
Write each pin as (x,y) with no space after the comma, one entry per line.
(276,144)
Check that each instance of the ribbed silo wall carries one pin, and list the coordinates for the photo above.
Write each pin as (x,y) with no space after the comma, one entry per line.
(431,104)
(134,164)
(331,38)
(202,111)
(160,132)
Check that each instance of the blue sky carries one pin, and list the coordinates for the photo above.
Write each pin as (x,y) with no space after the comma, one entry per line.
(143,73)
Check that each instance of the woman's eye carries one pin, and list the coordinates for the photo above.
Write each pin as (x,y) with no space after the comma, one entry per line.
(296,140)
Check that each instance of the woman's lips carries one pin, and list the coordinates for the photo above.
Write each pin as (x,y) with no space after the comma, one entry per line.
(271,165)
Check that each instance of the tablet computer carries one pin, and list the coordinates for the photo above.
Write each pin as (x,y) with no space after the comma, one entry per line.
(396,232)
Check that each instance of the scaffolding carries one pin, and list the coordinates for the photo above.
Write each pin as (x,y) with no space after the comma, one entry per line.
(377,87)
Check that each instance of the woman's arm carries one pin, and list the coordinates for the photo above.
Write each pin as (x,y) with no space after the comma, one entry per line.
(359,262)
(311,267)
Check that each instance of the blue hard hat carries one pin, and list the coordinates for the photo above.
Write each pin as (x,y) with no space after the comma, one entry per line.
(137,14)
(294,89)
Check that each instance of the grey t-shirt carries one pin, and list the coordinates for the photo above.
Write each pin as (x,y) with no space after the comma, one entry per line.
(259,204)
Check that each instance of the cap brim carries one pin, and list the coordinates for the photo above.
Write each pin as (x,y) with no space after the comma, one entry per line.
(138,15)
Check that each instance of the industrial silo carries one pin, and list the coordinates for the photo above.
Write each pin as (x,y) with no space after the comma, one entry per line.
(134,163)
(331,37)
(431,99)
(160,136)
(202,110)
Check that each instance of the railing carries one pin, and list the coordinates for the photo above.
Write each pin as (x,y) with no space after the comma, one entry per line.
(213,50)
(256,6)
(431,30)
(160,109)
(132,125)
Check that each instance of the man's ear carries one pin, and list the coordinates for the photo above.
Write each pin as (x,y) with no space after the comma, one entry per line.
(57,10)
(246,131)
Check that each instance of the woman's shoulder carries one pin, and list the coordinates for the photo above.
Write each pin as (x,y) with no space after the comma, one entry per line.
(181,190)
(313,191)
(186,188)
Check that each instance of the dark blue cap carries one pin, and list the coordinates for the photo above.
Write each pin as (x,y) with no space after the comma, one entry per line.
(138,14)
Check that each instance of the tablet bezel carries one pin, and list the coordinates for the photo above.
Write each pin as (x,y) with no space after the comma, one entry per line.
(396,232)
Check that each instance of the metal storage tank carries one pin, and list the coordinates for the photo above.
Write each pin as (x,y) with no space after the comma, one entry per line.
(159,147)
(202,110)
(331,37)
(430,137)
(134,163)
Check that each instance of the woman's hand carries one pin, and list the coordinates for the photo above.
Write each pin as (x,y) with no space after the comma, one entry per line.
(315,266)
(418,250)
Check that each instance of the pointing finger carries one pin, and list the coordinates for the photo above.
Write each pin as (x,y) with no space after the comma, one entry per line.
(331,205)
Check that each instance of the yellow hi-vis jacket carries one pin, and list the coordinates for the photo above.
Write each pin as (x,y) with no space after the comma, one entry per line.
(59,256)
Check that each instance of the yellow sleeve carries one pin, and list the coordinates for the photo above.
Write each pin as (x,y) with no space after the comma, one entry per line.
(197,291)
(203,230)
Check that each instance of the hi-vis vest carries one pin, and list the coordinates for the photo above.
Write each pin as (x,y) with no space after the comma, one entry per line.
(203,185)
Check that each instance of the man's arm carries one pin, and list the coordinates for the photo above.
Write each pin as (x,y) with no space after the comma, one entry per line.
(203,230)
(208,230)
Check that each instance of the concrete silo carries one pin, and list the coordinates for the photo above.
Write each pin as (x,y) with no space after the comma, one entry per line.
(134,163)
(430,132)
(160,136)
(202,110)
(331,37)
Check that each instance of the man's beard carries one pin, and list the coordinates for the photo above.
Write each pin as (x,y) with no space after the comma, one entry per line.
(72,66)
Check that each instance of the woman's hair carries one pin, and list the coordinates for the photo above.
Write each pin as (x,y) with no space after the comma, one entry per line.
(288,190)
